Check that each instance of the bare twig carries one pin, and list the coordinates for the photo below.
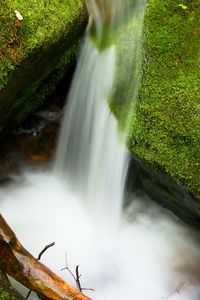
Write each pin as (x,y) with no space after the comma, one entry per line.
(67,268)
(45,249)
(77,277)
(28,295)
(87,289)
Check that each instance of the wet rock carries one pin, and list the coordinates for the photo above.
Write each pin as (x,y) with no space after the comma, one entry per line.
(40,148)
(28,147)
(163,189)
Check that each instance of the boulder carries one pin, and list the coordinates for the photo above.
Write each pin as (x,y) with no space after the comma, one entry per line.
(165,126)
(38,42)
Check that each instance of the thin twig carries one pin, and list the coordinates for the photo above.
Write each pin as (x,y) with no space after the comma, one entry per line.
(67,268)
(77,277)
(28,294)
(87,289)
(45,249)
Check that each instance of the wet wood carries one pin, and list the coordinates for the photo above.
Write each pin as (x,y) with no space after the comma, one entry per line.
(16,261)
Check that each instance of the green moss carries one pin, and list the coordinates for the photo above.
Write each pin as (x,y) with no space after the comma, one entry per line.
(44,21)
(128,60)
(35,52)
(39,90)
(165,131)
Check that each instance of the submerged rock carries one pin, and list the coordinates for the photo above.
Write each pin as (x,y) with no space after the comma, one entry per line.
(38,41)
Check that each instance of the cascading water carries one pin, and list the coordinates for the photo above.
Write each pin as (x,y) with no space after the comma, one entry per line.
(152,256)
(89,152)
(90,158)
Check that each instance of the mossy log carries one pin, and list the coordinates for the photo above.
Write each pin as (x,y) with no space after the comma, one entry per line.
(17,262)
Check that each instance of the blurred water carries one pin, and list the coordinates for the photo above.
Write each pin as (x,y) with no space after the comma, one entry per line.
(151,256)
(90,157)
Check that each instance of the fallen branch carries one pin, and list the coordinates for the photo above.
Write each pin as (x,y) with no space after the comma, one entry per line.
(16,261)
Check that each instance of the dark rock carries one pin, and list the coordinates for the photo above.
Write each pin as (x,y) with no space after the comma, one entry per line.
(163,189)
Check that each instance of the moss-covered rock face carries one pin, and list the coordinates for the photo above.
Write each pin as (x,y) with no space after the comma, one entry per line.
(38,39)
(165,130)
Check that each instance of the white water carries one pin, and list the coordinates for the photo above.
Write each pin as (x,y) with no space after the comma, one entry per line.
(151,256)
(90,159)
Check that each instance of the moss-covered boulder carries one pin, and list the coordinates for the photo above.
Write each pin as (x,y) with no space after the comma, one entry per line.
(165,129)
(38,39)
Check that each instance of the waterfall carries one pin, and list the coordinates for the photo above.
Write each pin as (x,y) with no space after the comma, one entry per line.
(91,158)
(151,255)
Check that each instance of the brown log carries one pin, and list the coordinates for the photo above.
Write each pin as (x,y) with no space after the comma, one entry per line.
(16,261)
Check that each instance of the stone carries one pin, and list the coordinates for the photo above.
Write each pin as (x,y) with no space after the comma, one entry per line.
(35,53)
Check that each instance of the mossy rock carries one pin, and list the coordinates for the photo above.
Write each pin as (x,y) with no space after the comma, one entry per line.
(165,126)
(35,52)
